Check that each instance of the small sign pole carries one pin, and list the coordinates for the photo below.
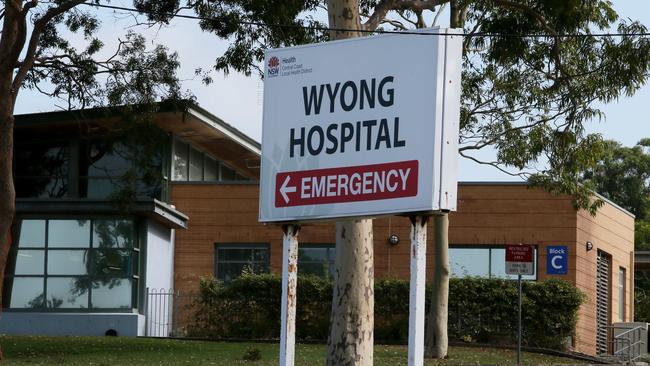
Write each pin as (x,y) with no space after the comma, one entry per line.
(417,290)
(288,305)
(519,324)
(519,261)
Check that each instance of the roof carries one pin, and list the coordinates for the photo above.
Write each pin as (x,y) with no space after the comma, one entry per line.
(185,120)
(149,207)
(642,257)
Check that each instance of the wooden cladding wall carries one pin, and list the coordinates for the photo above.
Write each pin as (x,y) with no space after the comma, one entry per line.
(612,232)
(487,215)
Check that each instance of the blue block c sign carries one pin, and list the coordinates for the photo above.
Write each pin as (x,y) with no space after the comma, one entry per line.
(557,260)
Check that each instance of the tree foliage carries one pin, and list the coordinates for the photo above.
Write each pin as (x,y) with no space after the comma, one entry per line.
(526,97)
(53,47)
(90,75)
(622,175)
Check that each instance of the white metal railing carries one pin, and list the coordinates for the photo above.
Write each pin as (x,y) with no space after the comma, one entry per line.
(627,346)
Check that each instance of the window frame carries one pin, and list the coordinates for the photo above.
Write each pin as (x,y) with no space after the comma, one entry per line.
(328,246)
(499,246)
(68,178)
(77,184)
(233,245)
(622,304)
(134,269)
(220,166)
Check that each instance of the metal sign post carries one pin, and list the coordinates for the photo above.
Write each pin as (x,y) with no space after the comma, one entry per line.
(417,290)
(288,305)
(519,324)
(519,261)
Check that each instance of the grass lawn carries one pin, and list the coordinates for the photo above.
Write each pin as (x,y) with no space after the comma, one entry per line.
(122,351)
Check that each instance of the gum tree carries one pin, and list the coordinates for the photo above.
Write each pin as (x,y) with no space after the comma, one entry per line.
(35,54)
(532,74)
(623,176)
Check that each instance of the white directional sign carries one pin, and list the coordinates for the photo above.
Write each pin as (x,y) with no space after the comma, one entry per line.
(361,127)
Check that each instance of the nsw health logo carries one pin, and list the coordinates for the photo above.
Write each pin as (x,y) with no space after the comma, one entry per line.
(273,67)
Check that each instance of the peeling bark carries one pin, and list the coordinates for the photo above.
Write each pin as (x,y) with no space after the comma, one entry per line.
(8,42)
(436,343)
(351,336)
(351,325)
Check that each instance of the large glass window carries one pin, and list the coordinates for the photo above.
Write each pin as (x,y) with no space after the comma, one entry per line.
(86,168)
(190,164)
(108,168)
(73,264)
(234,259)
(483,261)
(316,259)
(42,169)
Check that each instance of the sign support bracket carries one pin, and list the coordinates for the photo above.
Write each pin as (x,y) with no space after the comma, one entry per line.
(288,301)
(417,290)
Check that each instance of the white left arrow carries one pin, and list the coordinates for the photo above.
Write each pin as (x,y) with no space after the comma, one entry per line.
(284,189)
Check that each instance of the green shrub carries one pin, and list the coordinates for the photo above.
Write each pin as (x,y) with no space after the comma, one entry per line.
(480,310)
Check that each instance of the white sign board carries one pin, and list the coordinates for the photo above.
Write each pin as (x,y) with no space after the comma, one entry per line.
(361,127)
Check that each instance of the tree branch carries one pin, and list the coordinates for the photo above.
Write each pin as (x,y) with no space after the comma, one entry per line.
(394,23)
(39,26)
(385,6)
(28,5)
(379,14)
(523,175)
(495,138)
(435,19)
(406,18)
(542,21)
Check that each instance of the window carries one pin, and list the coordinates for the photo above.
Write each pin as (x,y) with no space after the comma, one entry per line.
(316,259)
(190,164)
(483,261)
(73,264)
(234,259)
(180,160)
(83,168)
(107,168)
(42,169)
(621,294)
(196,165)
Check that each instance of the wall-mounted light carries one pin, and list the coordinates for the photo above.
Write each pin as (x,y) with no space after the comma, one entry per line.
(590,246)
(393,239)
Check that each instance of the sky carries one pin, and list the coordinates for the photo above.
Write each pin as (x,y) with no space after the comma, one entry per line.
(237,99)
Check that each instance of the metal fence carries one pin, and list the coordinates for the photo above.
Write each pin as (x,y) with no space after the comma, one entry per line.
(168,312)
(627,345)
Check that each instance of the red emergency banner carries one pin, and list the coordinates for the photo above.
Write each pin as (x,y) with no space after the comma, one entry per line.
(347,184)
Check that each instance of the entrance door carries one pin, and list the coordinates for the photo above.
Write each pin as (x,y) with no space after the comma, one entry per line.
(603,289)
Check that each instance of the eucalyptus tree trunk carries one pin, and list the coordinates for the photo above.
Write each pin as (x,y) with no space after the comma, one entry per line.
(352,321)
(437,342)
(7,192)
(9,38)
(436,336)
